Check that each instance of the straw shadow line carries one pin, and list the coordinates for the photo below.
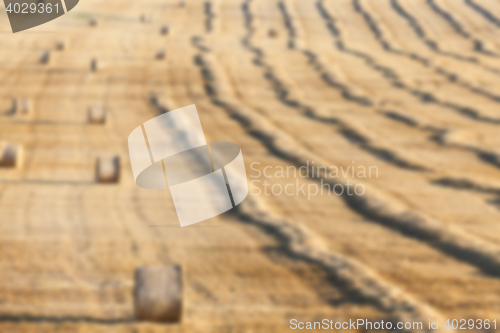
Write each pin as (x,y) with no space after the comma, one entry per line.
(51,319)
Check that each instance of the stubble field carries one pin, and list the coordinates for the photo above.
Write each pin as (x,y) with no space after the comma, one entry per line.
(408,86)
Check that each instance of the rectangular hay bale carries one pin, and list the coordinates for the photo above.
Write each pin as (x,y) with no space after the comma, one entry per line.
(158,294)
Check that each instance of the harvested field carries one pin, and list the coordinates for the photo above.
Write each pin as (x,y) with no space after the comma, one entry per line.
(406,88)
